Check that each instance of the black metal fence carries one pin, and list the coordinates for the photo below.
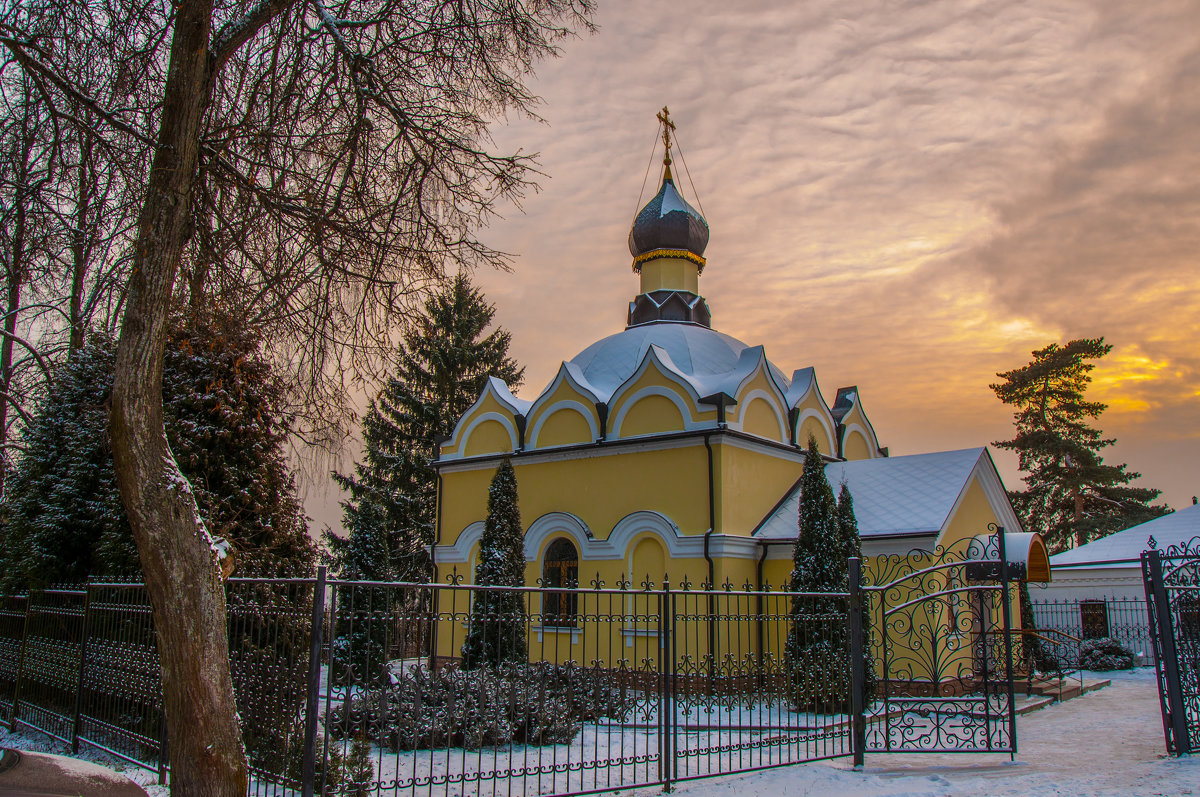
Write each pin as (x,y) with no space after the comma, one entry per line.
(367,688)
(1172,580)
(563,691)
(1072,621)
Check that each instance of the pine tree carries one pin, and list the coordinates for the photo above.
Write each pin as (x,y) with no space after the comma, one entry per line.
(1071,495)
(442,368)
(497,627)
(816,647)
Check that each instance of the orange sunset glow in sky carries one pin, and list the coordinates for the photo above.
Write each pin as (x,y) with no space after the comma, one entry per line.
(909,196)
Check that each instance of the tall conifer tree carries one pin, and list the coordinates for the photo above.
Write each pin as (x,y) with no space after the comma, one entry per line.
(816,647)
(223,407)
(442,368)
(1071,495)
(497,628)
(847,526)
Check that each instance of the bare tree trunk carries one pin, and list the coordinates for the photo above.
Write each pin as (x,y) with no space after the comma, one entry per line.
(11,308)
(79,242)
(181,569)
(14,275)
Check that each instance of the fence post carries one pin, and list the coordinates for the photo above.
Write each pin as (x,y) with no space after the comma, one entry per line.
(666,668)
(1006,613)
(1176,719)
(16,701)
(858,722)
(76,720)
(311,706)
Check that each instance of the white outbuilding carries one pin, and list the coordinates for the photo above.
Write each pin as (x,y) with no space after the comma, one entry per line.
(1111,566)
(1097,589)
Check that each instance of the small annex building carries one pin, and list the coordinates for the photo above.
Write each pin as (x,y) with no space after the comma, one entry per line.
(1110,567)
(672,450)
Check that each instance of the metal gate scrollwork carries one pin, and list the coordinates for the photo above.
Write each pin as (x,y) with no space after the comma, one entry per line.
(1172,580)
(941,649)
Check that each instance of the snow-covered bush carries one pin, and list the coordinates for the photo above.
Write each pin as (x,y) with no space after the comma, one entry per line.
(1102,655)
(537,704)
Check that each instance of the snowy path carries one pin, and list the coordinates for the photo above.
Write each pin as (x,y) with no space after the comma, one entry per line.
(1108,742)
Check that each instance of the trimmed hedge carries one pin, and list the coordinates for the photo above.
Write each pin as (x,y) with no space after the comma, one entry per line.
(1103,655)
(538,704)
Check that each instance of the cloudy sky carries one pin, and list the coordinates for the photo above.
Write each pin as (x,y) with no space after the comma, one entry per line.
(909,196)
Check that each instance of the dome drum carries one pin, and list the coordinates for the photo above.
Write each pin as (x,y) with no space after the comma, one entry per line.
(680,306)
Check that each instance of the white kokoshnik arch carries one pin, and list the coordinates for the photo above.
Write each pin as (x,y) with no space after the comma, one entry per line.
(688,416)
(823,418)
(566,405)
(773,401)
(558,524)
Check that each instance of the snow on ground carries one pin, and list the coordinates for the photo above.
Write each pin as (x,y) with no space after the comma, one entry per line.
(32,741)
(1109,742)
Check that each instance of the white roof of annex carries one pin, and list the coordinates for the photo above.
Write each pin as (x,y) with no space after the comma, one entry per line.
(895,496)
(1125,547)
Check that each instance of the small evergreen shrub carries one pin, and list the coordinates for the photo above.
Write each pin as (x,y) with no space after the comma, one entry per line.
(496,634)
(537,704)
(820,678)
(1104,655)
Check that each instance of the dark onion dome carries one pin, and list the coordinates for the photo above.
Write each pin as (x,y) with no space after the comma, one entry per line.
(668,222)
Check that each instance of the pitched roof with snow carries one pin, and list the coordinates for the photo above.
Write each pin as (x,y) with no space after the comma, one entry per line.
(892,495)
(1177,528)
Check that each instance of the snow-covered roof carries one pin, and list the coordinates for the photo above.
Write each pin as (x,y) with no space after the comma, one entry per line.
(702,356)
(892,495)
(1177,528)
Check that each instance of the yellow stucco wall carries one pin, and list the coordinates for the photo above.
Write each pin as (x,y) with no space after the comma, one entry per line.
(856,447)
(491,434)
(972,517)
(564,426)
(670,274)
(489,437)
(749,483)
(555,429)
(651,414)
(811,427)
(600,490)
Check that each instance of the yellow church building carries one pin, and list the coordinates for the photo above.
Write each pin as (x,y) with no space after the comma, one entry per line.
(670,449)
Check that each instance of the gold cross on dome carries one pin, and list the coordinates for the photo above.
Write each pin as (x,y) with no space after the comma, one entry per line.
(664,117)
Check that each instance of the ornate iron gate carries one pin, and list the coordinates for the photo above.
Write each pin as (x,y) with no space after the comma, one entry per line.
(1173,601)
(941,650)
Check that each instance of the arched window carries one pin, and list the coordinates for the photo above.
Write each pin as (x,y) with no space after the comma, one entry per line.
(561,570)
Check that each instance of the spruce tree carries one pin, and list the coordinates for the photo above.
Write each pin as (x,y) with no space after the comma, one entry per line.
(816,647)
(441,369)
(497,628)
(1071,495)
(223,407)
(63,519)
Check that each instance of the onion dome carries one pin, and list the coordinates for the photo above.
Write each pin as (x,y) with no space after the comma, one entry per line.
(667,222)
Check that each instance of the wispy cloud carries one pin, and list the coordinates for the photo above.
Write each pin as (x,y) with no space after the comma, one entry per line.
(910,196)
